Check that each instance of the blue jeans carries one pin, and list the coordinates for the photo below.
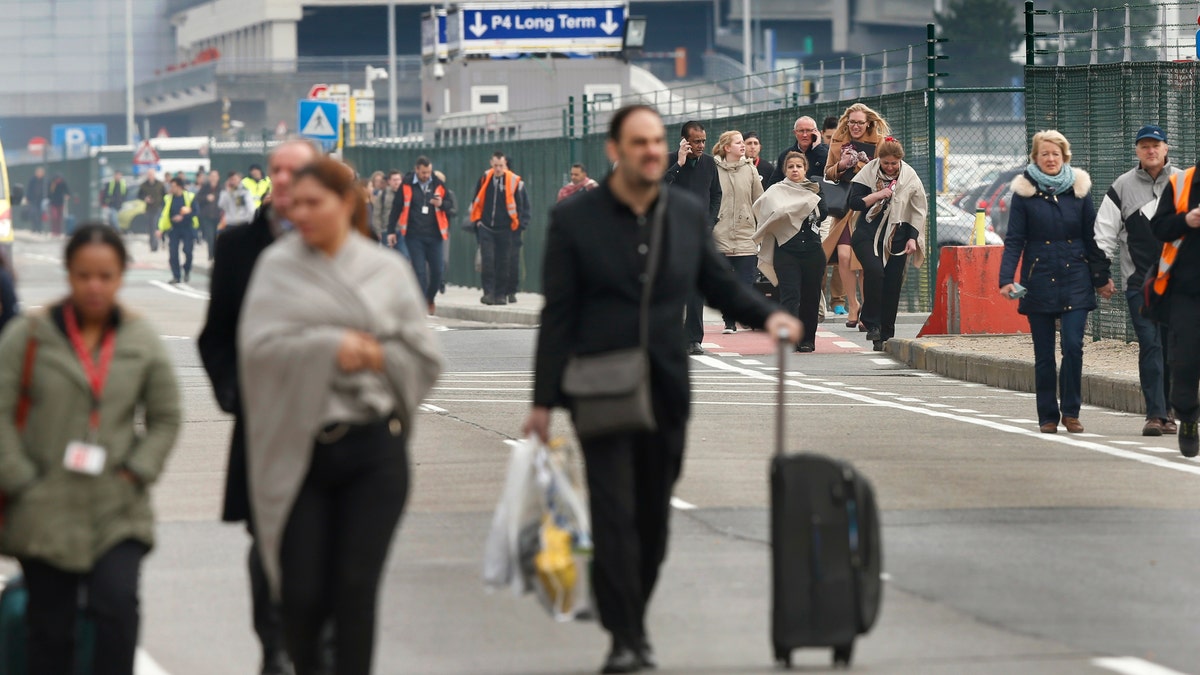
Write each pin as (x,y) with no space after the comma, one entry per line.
(1070,380)
(1153,370)
(425,252)
(401,246)
(181,233)
(745,268)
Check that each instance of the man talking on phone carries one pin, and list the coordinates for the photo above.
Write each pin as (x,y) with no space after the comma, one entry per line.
(808,143)
(696,172)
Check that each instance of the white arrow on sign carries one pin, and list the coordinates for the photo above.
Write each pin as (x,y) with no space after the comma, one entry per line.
(478,28)
(609,26)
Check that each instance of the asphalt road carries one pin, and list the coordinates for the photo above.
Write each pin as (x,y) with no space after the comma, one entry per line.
(1006,551)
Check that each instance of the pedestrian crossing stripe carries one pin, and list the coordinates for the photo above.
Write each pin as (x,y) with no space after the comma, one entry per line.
(318,125)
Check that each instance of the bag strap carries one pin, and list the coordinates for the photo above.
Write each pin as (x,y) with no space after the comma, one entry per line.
(658,225)
(25,398)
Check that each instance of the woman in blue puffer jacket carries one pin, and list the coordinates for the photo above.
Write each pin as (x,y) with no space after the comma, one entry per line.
(1051,234)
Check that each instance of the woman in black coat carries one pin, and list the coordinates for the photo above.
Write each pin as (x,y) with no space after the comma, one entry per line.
(1051,232)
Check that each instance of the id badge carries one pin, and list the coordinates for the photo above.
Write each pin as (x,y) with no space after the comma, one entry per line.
(424,210)
(85,458)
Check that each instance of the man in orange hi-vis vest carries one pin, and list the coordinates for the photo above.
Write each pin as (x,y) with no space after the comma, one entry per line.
(1177,280)
(500,212)
(420,217)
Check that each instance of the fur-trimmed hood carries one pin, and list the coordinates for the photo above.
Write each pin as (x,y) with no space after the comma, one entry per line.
(1025,187)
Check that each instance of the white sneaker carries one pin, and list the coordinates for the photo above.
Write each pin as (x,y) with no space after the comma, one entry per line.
(729,330)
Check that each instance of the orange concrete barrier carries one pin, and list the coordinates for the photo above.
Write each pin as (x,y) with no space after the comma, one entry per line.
(968,301)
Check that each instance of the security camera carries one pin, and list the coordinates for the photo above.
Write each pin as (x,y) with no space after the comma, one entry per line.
(439,71)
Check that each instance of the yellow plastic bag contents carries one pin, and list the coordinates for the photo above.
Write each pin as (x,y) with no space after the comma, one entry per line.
(556,570)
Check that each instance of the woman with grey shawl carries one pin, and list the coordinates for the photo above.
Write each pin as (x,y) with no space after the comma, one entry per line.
(890,197)
(789,216)
(335,357)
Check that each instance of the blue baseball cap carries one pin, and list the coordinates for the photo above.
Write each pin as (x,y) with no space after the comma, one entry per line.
(1151,131)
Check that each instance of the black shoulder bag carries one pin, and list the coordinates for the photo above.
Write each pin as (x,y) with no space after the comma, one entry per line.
(610,391)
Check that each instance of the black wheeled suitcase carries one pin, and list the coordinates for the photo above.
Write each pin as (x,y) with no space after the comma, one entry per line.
(826,551)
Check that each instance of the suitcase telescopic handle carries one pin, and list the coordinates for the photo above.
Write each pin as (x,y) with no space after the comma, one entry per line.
(784,341)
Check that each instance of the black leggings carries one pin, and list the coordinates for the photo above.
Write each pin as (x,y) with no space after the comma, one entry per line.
(882,284)
(800,275)
(335,544)
(112,606)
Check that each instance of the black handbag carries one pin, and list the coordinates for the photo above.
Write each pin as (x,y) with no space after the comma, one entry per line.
(610,392)
(836,195)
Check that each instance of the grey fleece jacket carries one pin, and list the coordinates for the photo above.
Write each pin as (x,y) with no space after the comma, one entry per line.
(1124,218)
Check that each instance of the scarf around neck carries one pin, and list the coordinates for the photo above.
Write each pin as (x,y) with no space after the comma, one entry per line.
(1052,185)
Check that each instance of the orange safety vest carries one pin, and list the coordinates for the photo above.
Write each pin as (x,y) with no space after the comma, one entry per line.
(510,197)
(442,221)
(1170,250)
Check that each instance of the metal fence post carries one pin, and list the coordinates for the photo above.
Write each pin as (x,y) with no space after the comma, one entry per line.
(1129,35)
(1030,55)
(586,129)
(931,55)
(1096,37)
(1062,40)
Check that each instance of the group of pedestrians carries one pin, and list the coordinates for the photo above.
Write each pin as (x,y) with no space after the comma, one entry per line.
(48,202)
(852,202)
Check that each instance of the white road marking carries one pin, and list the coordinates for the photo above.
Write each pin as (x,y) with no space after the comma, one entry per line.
(1088,435)
(990,416)
(826,334)
(1131,665)
(1126,442)
(884,576)
(433,408)
(855,388)
(174,337)
(965,411)
(681,505)
(709,345)
(750,362)
(907,399)
(883,362)
(997,426)
(144,665)
(793,373)
(1163,451)
(1021,421)
(834,384)
(747,404)
(729,354)
(937,405)
(179,290)
(846,345)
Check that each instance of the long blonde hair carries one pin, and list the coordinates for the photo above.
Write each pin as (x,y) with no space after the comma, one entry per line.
(876,125)
(723,143)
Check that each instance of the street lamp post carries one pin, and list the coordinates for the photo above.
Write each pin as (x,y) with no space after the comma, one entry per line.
(130,125)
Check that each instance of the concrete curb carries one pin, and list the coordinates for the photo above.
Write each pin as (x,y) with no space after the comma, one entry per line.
(486,314)
(1106,391)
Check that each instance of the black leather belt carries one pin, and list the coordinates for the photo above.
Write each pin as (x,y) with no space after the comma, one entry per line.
(336,431)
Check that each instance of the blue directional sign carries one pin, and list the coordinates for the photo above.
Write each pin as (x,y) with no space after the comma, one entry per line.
(579,27)
(433,38)
(319,119)
(78,135)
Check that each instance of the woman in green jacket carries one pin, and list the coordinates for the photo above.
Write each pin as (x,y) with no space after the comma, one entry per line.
(74,464)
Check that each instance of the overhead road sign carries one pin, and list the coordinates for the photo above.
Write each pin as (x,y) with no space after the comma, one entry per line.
(78,135)
(319,120)
(582,27)
(433,37)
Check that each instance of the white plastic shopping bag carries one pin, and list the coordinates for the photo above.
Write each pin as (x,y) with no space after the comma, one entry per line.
(540,539)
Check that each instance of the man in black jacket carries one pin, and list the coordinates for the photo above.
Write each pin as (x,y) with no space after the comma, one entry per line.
(808,142)
(499,211)
(420,215)
(1178,219)
(596,257)
(696,172)
(237,251)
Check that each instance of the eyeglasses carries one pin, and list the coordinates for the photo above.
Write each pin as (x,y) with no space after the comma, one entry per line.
(857,124)
(805,131)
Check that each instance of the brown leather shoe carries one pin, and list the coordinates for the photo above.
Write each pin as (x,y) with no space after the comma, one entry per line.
(1073,425)
(1049,428)
(1154,427)
(1169,427)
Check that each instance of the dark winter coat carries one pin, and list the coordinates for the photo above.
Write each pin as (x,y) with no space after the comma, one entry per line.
(1053,239)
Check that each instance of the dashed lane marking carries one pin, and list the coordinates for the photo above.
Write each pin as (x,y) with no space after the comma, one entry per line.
(143,664)
(1061,439)
(1163,451)
(909,399)
(1126,442)
(681,505)
(846,345)
(1020,421)
(750,362)
(883,362)
(1131,665)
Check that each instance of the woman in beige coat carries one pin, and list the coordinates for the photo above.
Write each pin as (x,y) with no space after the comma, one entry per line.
(74,465)
(740,188)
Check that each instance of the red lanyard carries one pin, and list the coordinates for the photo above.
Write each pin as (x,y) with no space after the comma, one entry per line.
(97,373)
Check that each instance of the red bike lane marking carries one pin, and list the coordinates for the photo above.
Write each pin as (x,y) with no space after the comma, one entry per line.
(757,343)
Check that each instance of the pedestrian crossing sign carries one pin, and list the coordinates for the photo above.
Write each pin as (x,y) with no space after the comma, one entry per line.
(319,120)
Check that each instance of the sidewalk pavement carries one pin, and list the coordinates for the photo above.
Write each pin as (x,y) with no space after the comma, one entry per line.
(1110,367)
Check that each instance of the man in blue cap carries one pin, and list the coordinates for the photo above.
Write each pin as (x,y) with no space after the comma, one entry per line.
(1124,217)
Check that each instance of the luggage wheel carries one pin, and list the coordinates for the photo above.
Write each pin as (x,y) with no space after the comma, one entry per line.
(783,657)
(842,655)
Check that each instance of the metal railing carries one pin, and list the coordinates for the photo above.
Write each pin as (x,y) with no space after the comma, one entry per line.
(1143,31)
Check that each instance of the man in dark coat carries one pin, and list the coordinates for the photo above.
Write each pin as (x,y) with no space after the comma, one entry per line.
(808,142)
(696,172)
(237,251)
(35,192)
(596,260)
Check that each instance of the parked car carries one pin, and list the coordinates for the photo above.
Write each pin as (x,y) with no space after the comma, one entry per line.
(956,227)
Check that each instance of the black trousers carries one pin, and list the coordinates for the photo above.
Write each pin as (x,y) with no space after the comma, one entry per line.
(495,251)
(208,231)
(335,544)
(514,264)
(800,275)
(693,318)
(630,479)
(1183,340)
(882,284)
(52,616)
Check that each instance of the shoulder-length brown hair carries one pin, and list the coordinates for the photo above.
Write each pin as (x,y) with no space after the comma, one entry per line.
(877,127)
(340,179)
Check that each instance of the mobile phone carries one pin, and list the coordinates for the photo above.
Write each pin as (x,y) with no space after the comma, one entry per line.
(1018,291)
